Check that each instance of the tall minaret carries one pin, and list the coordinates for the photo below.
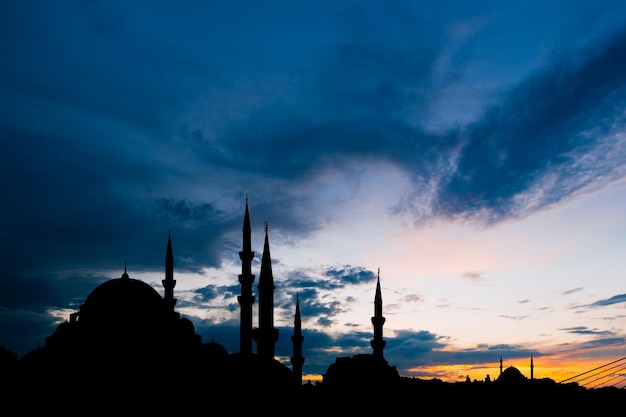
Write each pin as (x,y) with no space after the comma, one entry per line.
(297,359)
(169,282)
(532,368)
(378,344)
(246,278)
(266,335)
(500,364)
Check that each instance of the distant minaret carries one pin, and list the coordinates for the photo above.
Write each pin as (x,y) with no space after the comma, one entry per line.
(169,282)
(266,335)
(297,359)
(500,364)
(246,278)
(532,368)
(378,344)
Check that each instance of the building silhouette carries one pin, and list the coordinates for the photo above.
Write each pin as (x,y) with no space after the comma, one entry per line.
(127,333)
(366,370)
(126,344)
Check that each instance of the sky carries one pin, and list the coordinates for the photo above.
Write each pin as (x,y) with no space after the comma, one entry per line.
(470,155)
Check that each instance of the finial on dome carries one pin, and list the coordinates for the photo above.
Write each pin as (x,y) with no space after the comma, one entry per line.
(125,274)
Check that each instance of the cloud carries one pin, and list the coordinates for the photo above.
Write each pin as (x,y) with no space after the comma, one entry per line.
(119,171)
(584,330)
(479,355)
(215,292)
(475,277)
(350,276)
(543,143)
(516,318)
(572,291)
(413,298)
(616,299)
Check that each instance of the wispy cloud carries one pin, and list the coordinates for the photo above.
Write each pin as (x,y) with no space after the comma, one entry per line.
(516,318)
(475,277)
(616,299)
(572,291)
(583,330)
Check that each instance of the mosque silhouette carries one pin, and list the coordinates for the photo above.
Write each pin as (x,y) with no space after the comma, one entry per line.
(125,331)
(127,342)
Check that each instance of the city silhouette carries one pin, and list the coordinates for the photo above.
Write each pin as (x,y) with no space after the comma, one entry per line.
(127,346)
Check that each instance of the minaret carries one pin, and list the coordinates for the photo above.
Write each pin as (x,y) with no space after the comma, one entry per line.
(246,278)
(297,359)
(532,368)
(169,282)
(378,344)
(266,335)
(500,364)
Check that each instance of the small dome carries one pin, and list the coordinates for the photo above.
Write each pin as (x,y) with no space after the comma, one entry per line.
(215,350)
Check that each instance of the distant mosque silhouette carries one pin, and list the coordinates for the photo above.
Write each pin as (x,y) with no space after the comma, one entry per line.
(513,376)
(127,333)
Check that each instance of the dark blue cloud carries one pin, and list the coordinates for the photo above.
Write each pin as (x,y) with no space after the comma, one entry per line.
(479,355)
(349,275)
(616,299)
(584,330)
(605,340)
(544,127)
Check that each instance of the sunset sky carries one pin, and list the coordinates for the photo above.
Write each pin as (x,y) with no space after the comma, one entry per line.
(475,152)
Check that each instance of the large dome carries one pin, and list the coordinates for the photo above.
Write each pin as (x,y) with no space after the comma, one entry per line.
(124,309)
(122,296)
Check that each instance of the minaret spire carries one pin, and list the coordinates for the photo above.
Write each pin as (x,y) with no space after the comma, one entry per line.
(297,359)
(246,278)
(532,368)
(169,282)
(266,335)
(378,344)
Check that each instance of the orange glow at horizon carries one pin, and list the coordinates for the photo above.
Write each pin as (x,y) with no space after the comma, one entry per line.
(591,367)
(311,377)
(590,373)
